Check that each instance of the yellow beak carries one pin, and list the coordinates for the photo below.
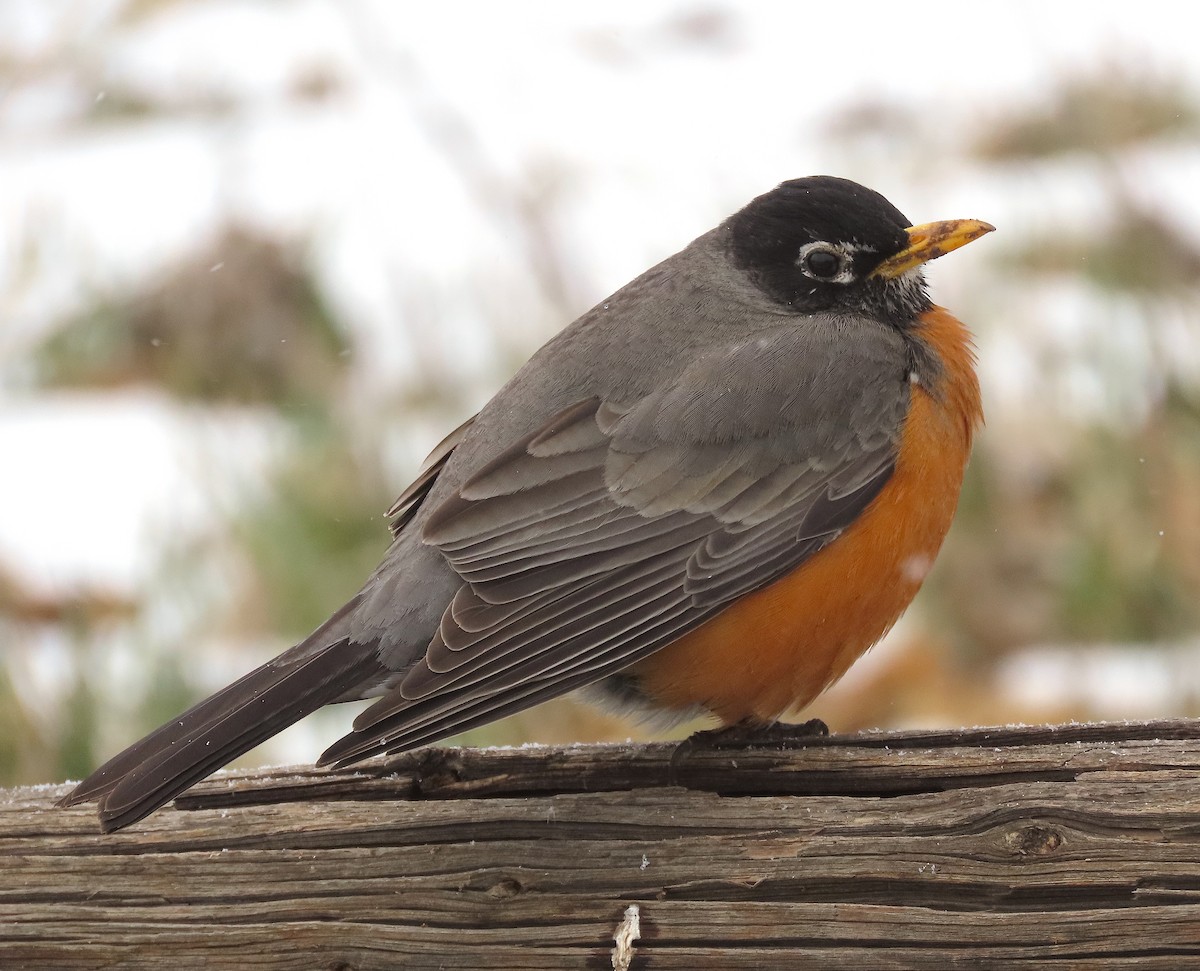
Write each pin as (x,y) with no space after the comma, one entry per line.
(929,241)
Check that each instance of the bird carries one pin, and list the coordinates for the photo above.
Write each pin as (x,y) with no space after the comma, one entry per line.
(709,494)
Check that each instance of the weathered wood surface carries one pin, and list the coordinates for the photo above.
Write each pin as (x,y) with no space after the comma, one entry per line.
(1068,848)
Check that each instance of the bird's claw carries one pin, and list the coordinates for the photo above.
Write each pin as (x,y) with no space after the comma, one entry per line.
(745,734)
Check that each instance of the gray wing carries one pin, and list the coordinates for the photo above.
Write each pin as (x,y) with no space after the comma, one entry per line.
(618,527)
(409,501)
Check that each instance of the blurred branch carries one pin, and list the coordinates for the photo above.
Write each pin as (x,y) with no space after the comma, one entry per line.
(85,607)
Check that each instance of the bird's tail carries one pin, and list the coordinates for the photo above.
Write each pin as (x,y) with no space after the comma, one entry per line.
(151,772)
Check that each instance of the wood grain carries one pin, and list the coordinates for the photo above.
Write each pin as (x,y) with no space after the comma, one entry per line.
(1065,847)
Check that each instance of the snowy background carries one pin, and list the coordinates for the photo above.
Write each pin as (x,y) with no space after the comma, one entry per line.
(446,185)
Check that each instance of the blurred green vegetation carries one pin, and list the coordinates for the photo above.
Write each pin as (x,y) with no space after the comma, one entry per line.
(1096,539)
(315,535)
(240,322)
(1139,255)
(1101,112)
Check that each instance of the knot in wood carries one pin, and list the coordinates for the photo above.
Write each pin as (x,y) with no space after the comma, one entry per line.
(1034,840)
(505,888)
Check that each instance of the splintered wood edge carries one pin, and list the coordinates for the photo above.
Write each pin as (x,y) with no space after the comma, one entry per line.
(859,763)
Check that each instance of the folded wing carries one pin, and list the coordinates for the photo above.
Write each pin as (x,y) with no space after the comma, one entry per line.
(616,528)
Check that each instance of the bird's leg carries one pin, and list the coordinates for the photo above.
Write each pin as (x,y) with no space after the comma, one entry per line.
(745,734)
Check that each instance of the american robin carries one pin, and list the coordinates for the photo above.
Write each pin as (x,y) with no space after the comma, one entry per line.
(710,493)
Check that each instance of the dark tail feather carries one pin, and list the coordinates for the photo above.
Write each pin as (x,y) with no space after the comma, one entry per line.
(150,773)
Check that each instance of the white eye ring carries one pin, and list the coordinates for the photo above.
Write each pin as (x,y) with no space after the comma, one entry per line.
(844,272)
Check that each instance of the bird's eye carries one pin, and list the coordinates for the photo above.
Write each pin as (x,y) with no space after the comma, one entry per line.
(821,263)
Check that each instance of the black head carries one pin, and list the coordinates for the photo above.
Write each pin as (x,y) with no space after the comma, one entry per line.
(812,243)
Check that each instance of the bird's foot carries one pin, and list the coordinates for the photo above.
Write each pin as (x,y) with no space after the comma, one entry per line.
(746,734)
(752,734)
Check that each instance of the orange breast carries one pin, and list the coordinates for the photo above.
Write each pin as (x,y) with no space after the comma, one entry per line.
(778,648)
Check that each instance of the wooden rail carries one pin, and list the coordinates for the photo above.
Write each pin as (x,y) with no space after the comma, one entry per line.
(1073,847)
